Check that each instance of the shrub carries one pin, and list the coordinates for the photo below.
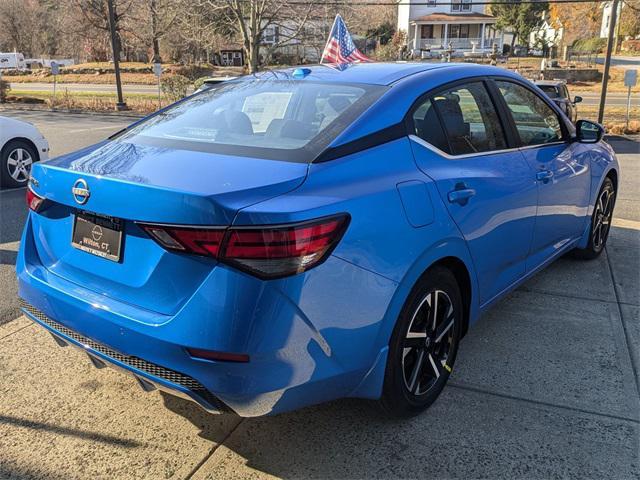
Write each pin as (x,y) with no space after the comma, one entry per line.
(594,44)
(175,87)
(4,89)
(193,72)
(392,50)
(631,46)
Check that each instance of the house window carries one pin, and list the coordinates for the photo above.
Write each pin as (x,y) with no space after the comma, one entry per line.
(427,31)
(461,6)
(459,31)
(431,3)
(270,35)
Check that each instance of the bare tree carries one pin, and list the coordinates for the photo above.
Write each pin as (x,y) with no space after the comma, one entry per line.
(254,17)
(94,20)
(154,19)
(16,24)
(202,29)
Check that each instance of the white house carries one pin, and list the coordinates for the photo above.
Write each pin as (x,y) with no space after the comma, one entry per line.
(436,24)
(606,17)
(302,43)
(548,34)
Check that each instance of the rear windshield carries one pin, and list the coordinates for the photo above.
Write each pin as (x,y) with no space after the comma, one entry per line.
(550,90)
(275,119)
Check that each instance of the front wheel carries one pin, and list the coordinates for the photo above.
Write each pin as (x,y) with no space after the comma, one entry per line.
(423,345)
(600,222)
(16,160)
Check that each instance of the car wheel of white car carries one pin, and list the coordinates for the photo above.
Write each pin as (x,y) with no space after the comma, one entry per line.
(16,161)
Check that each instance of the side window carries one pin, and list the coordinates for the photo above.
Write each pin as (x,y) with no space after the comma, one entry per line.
(537,123)
(460,121)
(426,125)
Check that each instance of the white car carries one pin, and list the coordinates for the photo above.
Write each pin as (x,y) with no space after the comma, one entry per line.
(21,144)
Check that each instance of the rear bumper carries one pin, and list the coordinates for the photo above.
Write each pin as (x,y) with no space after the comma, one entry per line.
(150,376)
(308,338)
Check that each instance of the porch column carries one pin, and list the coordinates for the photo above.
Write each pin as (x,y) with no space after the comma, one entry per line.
(482,38)
(446,35)
(415,37)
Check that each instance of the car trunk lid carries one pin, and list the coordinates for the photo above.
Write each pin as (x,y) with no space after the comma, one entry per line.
(134,183)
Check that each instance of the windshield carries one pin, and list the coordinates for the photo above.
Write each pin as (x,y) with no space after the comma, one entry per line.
(550,90)
(275,119)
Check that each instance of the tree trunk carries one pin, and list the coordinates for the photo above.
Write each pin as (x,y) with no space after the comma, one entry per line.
(156,51)
(254,40)
(154,33)
(252,57)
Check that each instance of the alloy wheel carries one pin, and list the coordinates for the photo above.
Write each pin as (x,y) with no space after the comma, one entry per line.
(19,164)
(602,218)
(428,342)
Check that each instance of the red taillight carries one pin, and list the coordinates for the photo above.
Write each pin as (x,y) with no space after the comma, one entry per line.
(34,201)
(266,251)
(191,240)
(277,252)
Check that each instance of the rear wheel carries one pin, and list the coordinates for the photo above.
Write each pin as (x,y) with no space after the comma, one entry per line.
(424,344)
(15,163)
(600,221)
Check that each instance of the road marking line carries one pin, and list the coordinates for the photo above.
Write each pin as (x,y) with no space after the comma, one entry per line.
(12,189)
(94,128)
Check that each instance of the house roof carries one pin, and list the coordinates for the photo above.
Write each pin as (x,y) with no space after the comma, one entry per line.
(455,18)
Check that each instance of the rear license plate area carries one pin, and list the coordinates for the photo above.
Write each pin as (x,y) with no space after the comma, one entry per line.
(98,235)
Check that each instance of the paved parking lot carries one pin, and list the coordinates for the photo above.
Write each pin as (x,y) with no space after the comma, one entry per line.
(545,385)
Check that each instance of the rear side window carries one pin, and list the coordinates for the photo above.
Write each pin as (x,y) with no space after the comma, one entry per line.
(274,119)
(460,120)
(537,123)
(550,90)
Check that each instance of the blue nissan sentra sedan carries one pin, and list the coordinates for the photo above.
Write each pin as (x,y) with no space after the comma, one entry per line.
(314,233)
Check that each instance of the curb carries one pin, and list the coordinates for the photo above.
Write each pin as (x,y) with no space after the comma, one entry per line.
(31,108)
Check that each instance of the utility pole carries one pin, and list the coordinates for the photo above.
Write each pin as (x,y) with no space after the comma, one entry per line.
(116,55)
(607,59)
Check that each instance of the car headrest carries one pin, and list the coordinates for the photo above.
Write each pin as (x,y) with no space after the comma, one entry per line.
(238,122)
(452,117)
(275,128)
(338,103)
(431,132)
(288,129)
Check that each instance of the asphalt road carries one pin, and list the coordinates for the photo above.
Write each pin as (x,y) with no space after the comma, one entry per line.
(545,386)
(618,99)
(622,61)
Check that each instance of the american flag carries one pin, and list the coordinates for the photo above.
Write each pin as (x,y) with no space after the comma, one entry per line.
(340,48)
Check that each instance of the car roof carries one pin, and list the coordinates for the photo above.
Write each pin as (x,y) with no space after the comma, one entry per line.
(376,73)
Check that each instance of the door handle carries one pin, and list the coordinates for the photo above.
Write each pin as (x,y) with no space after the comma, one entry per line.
(544,176)
(461,195)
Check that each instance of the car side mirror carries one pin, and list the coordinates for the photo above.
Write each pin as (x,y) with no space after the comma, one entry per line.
(577,99)
(589,132)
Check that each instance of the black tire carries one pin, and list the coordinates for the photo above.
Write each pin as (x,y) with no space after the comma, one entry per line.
(600,222)
(405,392)
(16,160)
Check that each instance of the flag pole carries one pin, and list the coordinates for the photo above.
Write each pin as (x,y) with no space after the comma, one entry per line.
(329,37)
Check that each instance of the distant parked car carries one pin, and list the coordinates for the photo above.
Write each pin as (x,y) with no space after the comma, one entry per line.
(557,91)
(21,144)
(12,61)
(520,51)
(213,82)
